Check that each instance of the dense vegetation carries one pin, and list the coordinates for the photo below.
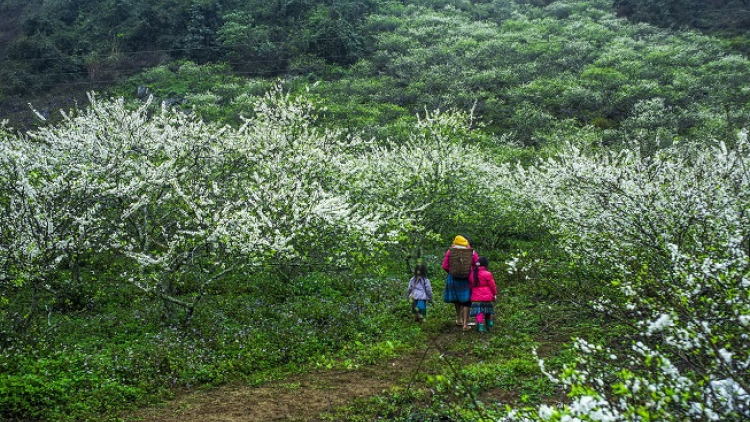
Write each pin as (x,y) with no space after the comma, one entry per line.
(174,237)
(724,16)
(57,42)
(90,44)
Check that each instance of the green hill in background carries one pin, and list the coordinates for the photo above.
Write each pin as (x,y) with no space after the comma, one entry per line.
(532,72)
(226,174)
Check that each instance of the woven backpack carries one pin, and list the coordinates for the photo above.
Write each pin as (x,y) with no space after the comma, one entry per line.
(459,262)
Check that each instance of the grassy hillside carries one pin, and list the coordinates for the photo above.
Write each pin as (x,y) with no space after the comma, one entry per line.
(253,203)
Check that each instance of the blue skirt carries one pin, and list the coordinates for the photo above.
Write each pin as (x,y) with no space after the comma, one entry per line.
(457,290)
(419,306)
(487,308)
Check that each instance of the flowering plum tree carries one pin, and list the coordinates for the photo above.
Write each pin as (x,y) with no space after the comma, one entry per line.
(49,222)
(296,175)
(671,229)
(169,203)
(435,177)
(180,202)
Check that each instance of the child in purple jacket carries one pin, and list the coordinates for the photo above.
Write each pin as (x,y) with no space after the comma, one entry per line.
(419,292)
(483,294)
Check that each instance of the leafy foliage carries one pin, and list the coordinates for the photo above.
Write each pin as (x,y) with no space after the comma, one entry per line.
(103,41)
(176,240)
(731,16)
(172,210)
(670,227)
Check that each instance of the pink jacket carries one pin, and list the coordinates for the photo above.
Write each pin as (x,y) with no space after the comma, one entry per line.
(446,259)
(485,290)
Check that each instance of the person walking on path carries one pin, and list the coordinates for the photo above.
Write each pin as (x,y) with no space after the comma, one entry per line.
(458,261)
(483,294)
(419,292)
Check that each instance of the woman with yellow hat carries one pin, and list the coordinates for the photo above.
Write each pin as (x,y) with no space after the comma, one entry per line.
(458,262)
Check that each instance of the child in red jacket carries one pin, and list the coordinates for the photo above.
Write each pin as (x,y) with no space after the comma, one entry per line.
(483,294)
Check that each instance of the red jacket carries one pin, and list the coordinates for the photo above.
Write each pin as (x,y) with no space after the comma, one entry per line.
(485,290)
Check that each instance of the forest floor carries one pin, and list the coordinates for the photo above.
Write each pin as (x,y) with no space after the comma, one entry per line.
(312,396)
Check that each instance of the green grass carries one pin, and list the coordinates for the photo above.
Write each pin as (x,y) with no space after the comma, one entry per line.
(469,376)
(92,363)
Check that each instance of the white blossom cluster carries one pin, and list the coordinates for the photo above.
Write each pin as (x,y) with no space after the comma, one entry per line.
(429,176)
(521,265)
(172,198)
(164,189)
(672,226)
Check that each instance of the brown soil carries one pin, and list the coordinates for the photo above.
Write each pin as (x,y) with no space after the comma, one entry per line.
(302,398)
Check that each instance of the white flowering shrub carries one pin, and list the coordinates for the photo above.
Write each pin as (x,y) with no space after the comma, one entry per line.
(437,177)
(179,202)
(671,229)
(171,203)
(296,181)
(50,219)
(522,266)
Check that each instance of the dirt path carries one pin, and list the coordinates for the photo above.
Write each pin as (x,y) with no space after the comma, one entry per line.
(298,399)
(302,398)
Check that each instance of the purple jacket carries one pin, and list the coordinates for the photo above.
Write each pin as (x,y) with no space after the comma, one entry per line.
(421,287)
(485,290)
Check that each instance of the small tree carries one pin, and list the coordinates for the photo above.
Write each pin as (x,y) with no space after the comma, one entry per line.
(671,230)
(181,202)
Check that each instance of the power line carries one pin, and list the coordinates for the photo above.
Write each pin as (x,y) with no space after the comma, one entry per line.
(513,41)
(538,40)
(116,52)
(256,62)
(277,43)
